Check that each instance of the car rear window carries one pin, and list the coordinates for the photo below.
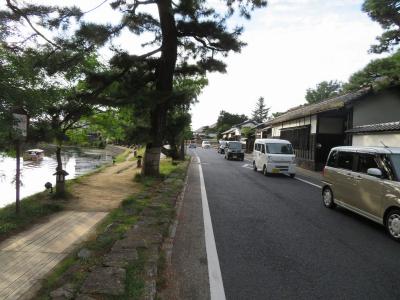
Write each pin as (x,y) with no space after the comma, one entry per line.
(233,145)
(345,160)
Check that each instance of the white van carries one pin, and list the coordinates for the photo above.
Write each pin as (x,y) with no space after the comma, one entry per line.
(274,156)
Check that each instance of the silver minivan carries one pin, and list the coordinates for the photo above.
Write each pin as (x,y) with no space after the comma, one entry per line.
(365,180)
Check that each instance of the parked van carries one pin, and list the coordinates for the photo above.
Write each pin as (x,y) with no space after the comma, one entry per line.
(365,180)
(274,156)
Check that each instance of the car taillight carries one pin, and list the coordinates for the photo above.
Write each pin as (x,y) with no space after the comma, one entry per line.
(323,171)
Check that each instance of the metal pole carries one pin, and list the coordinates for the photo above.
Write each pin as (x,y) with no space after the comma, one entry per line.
(17,178)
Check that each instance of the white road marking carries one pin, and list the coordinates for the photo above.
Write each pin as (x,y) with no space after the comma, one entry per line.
(308,182)
(299,179)
(214,271)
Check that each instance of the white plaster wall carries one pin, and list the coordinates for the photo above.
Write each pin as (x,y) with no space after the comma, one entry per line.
(389,139)
(313,121)
(276,131)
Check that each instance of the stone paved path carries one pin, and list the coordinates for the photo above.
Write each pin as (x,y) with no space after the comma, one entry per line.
(27,257)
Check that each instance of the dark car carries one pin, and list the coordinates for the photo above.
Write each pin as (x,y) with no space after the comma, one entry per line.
(233,150)
(192,145)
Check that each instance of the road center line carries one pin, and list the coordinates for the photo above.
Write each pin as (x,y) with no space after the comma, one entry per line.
(214,271)
(308,182)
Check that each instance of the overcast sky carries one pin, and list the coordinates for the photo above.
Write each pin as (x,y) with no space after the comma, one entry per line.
(292,45)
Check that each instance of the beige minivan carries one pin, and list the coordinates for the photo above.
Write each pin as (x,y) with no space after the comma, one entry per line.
(365,180)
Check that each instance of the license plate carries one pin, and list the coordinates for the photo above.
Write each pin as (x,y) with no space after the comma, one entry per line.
(275,170)
(234,156)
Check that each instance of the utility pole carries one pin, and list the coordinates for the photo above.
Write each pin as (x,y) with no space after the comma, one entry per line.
(20,126)
(18,176)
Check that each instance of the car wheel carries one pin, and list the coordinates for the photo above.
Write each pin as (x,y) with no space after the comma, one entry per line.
(254,166)
(327,197)
(292,175)
(265,171)
(392,223)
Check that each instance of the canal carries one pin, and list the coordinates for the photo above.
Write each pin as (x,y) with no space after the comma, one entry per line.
(34,174)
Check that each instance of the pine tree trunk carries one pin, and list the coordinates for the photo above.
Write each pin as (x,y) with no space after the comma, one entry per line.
(151,162)
(182,152)
(164,85)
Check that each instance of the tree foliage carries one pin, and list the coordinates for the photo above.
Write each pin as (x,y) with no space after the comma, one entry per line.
(378,73)
(387,14)
(260,113)
(188,38)
(323,91)
(226,120)
(20,88)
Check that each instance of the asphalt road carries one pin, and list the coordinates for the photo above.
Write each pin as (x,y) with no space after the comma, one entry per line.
(275,240)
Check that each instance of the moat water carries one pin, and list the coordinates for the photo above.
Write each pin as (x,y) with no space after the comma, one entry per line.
(34,174)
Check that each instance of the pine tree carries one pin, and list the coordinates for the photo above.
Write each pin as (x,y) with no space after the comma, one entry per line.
(260,113)
(387,14)
(189,38)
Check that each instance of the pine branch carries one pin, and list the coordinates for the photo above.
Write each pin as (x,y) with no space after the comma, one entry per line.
(17,11)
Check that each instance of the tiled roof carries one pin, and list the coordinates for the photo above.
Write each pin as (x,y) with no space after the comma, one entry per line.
(326,105)
(390,126)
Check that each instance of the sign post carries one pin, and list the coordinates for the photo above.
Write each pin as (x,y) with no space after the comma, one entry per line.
(20,127)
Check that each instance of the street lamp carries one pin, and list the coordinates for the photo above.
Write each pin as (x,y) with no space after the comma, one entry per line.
(60,181)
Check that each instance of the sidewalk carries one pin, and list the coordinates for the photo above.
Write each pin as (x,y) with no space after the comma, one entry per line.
(27,257)
(308,173)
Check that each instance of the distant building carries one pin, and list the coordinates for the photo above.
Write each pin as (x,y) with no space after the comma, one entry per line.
(204,132)
(235,133)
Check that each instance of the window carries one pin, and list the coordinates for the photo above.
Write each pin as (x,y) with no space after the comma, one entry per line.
(332,159)
(345,160)
(257,147)
(365,162)
(298,137)
(275,148)
(263,148)
(395,160)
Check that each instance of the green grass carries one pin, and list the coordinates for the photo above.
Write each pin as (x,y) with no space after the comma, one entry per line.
(32,209)
(169,166)
(134,279)
(123,156)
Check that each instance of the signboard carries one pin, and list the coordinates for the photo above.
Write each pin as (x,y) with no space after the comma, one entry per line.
(20,124)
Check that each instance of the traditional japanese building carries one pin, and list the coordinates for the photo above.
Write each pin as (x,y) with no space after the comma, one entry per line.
(363,118)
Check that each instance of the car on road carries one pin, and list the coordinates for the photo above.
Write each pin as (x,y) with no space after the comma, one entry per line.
(274,156)
(234,150)
(221,147)
(192,145)
(205,145)
(365,180)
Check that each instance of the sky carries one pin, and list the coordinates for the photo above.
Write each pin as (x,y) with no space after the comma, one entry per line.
(292,46)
